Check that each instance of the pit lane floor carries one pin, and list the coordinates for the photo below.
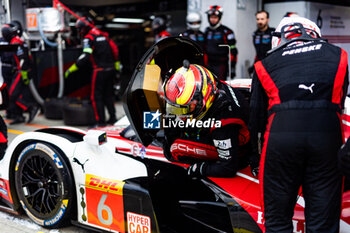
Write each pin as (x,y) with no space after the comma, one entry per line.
(22,224)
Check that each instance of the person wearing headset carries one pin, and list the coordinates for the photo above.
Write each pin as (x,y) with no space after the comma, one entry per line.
(193,21)
(21,99)
(102,53)
(217,34)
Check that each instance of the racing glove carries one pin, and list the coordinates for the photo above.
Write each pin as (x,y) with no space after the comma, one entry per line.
(117,66)
(25,77)
(70,70)
(195,170)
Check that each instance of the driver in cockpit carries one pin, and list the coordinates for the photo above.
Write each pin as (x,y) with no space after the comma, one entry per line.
(209,130)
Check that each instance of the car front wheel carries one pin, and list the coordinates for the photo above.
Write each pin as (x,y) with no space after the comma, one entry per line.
(44,185)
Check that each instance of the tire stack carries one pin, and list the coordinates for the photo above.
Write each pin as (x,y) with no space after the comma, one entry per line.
(78,112)
(53,108)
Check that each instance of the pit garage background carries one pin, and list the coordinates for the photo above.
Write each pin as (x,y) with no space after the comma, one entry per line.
(133,38)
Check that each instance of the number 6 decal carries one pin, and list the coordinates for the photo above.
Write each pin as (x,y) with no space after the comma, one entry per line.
(104,203)
(101,206)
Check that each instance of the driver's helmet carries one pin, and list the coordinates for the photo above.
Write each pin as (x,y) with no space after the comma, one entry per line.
(8,32)
(291,29)
(190,91)
(193,21)
(82,25)
(291,14)
(215,10)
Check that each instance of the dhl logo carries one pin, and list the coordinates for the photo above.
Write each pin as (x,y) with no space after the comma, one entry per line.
(104,184)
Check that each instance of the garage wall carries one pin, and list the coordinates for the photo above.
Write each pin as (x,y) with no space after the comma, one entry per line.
(17,10)
(333,20)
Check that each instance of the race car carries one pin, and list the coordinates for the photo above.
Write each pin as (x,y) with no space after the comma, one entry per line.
(117,179)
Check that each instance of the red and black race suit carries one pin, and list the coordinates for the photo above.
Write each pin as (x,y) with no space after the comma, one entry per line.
(101,53)
(162,35)
(197,36)
(222,148)
(20,96)
(8,64)
(217,57)
(262,42)
(297,97)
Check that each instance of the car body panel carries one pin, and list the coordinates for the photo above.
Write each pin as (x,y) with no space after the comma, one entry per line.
(104,174)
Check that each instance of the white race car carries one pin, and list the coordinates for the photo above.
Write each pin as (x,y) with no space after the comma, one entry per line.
(117,179)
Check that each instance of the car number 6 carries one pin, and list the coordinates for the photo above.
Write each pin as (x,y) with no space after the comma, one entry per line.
(100,208)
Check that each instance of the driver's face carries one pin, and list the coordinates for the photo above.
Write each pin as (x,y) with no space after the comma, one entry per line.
(214,19)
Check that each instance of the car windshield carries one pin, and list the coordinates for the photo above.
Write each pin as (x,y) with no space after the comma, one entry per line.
(144,93)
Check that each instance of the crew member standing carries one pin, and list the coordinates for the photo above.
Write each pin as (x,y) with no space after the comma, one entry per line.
(262,37)
(193,21)
(102,53)
(298,93)
(215,35)
(5,56)
(159,27)
(8,63)
(21,99)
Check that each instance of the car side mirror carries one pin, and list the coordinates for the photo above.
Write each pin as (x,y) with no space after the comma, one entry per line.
(95,137)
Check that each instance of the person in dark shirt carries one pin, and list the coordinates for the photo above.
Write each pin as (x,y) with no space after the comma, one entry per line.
(7,63)
(219,41)
(21,99)
(159,27)
(263,35)
(298,93)
(102,53)
(193,21)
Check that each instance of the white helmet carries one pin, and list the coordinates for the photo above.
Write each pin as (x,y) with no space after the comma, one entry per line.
(193,21)
(310,27)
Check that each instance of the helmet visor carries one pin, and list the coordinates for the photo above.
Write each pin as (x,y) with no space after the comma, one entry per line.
(180,109)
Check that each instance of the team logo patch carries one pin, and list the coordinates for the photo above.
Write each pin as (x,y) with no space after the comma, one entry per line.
(138,223)
(304,49)
(223,144)
(230,36)
(151,120)
(308,88)
(224,154)
(101,38)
